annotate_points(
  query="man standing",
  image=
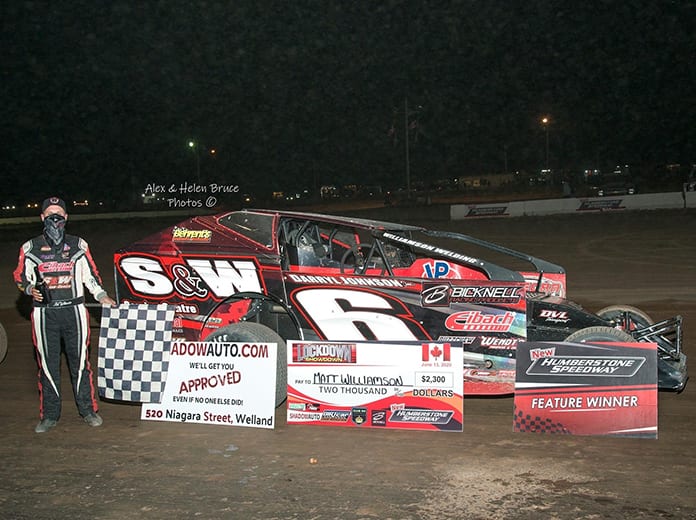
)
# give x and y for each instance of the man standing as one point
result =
(53, 269)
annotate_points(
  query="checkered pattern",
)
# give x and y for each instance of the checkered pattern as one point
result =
(525, 422)
(134, 352)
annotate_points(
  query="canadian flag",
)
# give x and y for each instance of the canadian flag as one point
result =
(434, 351)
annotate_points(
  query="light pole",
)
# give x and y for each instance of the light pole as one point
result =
(408, 124)
(505, 157)
(194, 146)
(408, 159)
(545, 121)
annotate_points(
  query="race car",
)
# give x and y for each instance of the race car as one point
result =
(272, 276)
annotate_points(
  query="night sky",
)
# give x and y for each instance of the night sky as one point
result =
(101, 98)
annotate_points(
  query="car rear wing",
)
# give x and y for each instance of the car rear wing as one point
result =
(542, 266)
(492, 270)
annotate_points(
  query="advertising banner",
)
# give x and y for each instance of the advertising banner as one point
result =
(407, 385)
(586, 389)
(231, 384)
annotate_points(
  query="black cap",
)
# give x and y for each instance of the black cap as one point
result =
(53, 201)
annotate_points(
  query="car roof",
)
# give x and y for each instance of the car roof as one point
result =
(334, 219)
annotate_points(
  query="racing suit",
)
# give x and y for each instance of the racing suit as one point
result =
(66, 268)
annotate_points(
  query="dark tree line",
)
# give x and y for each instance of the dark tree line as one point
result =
(104, 97)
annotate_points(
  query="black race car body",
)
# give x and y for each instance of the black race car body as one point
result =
(263, 275)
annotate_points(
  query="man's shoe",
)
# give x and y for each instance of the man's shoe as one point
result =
(45, 425)
(93, 419)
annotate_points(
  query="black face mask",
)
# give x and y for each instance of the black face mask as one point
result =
(54, 229)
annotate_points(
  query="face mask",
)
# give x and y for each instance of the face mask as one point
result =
(54, 229)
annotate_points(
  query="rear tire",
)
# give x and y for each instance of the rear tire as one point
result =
(250, 332)
(592, 334)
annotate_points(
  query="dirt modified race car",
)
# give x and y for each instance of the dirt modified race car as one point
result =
(272, 276)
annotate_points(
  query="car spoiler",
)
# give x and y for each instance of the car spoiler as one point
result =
(493, 271)
(539, 264)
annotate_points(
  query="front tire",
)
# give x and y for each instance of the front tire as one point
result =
(250, 332)
(637, 319)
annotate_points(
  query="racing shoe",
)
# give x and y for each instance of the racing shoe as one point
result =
(93, 419)
(45, 425)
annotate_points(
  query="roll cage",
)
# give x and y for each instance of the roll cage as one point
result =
(371, 248)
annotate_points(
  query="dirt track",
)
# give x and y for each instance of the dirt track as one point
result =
(159, 470)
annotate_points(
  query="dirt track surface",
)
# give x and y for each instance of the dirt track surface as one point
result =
(155, 470)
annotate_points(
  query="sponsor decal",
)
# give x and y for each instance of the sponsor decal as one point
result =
(599, 205)
(547, 285)
(495, 342)
(553, 316)
(186, 308)
(219, 349)
(304, 416)
(411, 415)
(478, 374)
(487, 211)
(435, 295)
(436, 269)
(59, 282)
(56, 267)
(487, 294)
(358, 415)
(335, 415)
(197, 278)
(615, 366)
(378, 417)
(324, 353)
(182, 234)
(477, 321)
(443, 295)
(464, 340)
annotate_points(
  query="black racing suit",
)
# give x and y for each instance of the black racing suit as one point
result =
(67, 269)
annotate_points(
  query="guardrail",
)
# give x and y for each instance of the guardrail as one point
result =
(648, 201)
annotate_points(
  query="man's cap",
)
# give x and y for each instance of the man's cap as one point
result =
(53, 201)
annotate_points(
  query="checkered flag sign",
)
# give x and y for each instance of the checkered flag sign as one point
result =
(134, 352)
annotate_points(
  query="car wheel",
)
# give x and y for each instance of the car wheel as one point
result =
(255, 332)
(591, 334)
(3, 343)
(637, 319)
